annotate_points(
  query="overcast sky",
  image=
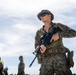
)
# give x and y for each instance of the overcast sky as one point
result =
(18, 26)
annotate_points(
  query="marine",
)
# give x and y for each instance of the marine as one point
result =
(21, 66)
(53, 58)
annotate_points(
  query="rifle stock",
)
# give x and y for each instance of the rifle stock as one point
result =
(37, 51)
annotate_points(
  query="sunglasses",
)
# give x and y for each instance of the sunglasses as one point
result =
(42, 14)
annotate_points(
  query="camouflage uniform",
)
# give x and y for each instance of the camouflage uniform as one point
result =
(54, 59)
(21, 67)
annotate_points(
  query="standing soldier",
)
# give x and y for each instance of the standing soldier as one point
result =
(21, 66)
(53, 57)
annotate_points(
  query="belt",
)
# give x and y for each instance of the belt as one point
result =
(57, 50)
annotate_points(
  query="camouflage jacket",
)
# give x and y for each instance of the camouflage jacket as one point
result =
(56, 46)
(65, 32)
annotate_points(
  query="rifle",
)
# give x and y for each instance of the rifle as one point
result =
(45, 40)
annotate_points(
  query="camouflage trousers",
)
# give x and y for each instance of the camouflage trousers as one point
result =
(54, 64)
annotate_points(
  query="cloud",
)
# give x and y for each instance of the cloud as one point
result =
(2, 46)
(23, 7)
(70, 43)
(26, 27)
(19, 41)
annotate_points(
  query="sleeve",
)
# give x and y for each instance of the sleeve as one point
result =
(37, 39)
(66, 31)
(38, 42)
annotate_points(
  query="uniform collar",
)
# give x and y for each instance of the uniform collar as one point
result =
(53, 25)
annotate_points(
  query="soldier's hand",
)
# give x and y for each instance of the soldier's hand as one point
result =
(42, 49)
(55, 37)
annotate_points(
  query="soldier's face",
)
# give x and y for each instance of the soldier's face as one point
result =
(45, 18)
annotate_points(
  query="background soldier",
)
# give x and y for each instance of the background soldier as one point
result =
(1, 67)
(6, 70)
(53, 58)
(21, 66)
